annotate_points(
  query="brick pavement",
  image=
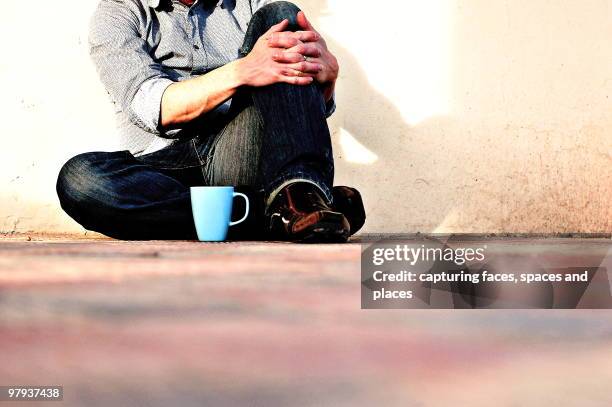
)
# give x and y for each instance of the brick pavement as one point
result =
(271, 324)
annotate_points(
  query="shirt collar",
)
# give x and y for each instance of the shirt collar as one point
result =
(156, 3)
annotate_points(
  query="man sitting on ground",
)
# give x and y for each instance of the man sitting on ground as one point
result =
(212, 92)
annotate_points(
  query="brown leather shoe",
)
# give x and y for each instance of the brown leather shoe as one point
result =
(299, 213)
(348, 201)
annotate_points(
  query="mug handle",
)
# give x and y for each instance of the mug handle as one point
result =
(247, 208)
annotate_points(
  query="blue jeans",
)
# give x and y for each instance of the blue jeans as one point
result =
(273, 135)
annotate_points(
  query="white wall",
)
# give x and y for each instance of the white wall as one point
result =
(454, 115)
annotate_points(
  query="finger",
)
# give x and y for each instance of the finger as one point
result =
(308, 49)
(315, 61)
(307, 36)
(306, 67)
(282, 40)
(296, 80)
(277, 27)
(287, 71)
(303, 22)
(287, 57)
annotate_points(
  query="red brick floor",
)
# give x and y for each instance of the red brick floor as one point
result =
(269, 324)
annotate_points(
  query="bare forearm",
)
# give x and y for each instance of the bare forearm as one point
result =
(185, 101)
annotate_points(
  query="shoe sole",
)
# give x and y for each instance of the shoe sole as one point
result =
(361, 215)
(354, 209)
(330, 229)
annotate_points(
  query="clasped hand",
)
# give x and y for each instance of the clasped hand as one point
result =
(298, 58)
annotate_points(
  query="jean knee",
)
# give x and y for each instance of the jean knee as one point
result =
(264, 18)
(275, 12)
(75, 182)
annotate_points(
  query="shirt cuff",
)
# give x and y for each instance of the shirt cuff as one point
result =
(146, 105)
(330, 106)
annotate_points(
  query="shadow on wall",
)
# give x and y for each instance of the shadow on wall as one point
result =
(386, 152)
(393, 162)
(445, 129)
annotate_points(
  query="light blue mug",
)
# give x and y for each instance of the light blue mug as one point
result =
(212, 211)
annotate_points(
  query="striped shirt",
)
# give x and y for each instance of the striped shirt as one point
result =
(140, 47)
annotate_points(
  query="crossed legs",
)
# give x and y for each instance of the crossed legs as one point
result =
(276, 135)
